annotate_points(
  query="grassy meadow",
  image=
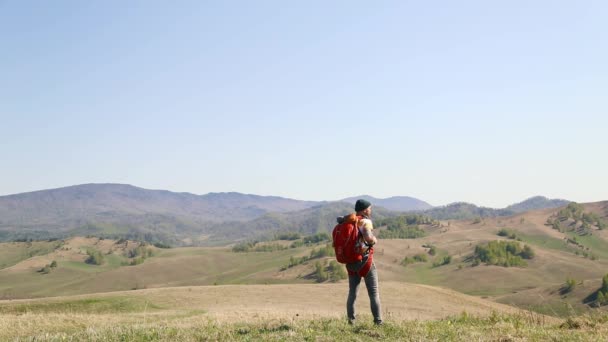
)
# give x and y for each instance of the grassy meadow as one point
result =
(262, 312)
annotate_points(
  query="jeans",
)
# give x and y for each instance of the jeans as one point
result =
(371, 283)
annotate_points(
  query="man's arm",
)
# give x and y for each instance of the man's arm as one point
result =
(369, 237)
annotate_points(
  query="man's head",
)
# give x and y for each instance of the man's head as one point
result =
(363, 207)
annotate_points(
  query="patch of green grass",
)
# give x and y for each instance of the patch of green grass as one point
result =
(183, 251)
(489, 291)
(558, 309)
(547, 242)
(114, 261)
(11, 253)
(81, 266)
(424, 273)
(598, 246)
(111, 261)
(88, 306)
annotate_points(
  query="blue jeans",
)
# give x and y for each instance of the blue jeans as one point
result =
(371, 283)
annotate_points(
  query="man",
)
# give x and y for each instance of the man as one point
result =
(366, 268)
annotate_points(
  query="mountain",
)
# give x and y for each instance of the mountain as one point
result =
(464, 211)
(537, 202)
(126, 211)
(320, 218)
(467, 211)
(396, 203)
(119, 208)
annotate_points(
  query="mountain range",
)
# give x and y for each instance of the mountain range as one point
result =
(121, 210)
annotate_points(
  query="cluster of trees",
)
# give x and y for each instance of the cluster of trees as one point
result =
(140, 251)
(254, 246)
(162, 245)
(311, 239)
(138, 255)
(555, 224)
(509, 234)
(322, 252)
(333, 272)
(402, 233)
(48, 267)
(442, 261)
(602, 293)
(404, 226)
(502, 253)
(289, 236)
(268, 247)
(465, 211)
(95, 257)
(416, 258)
(575, 212)
(405, 221)
(26, 235)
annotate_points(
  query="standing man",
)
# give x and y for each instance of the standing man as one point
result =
(365, 268)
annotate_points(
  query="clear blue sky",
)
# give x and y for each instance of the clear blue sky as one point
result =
(488, 102)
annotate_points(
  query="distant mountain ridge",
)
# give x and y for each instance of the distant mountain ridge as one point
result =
(121, 210)
(536, 202)
(100, 198)
(395, 203)
(464, 211)
(125, 209)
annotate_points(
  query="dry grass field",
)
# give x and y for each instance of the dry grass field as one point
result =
(300, 312)
(267, 311)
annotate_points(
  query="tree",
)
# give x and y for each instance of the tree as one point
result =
(45, 270)
(421, 258)
(503, 253)
(443, 261)
(568, 286)
(95, 257)
(527, 253)
(601, 299)
(320, 272)
(337, 271)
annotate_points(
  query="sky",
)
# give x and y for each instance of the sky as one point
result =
(488, 102)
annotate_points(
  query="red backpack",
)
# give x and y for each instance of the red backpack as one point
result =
(345, 236)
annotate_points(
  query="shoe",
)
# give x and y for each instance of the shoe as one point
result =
(379, 322)
(351, 321)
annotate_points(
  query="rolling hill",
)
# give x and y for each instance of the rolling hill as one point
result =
(535, 203)
(321, 218)
(466, 211)
(558, 254)
(396, 203)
